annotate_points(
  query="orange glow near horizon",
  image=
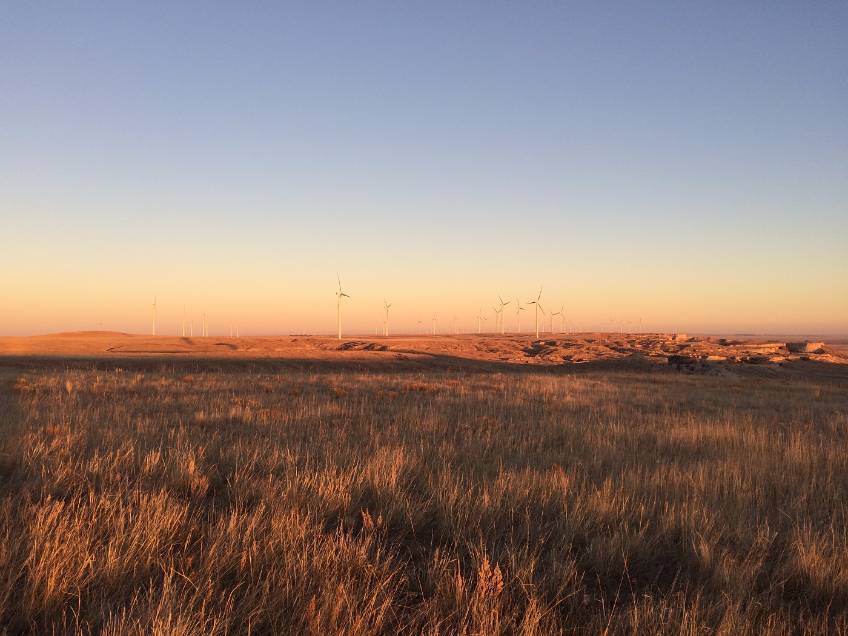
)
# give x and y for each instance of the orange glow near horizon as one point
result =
(260, 306)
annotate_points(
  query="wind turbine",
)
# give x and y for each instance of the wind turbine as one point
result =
(561, 314)
(538, 307)
(518, 310)
(503, 304)
(339, 295)
(184, 319)
(386, 321)
(434, 324)
(154, 315)
(479, 320)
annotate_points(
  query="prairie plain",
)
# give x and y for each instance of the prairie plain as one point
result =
(447, 485)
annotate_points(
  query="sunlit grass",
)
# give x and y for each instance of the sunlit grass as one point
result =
(439, 502)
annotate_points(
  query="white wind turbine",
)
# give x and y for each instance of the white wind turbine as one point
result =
(339, 295)
(184, 319)
(538, 307)
(434, 324)
(518, 310)
(386, 305)
(479, 320)
(501, 314)
(154, 315)
(561, 314)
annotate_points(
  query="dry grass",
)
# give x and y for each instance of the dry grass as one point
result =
(255, 499)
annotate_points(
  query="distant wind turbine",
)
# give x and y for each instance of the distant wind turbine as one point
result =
(518, 310)
(561, 314)
(339, 295)
(434, 324)
(500, 313)
(154, 315)
(184, 319)
(386, 305)
(538, 307)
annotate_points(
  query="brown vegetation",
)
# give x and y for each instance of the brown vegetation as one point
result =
(172, 497)
(610, 350)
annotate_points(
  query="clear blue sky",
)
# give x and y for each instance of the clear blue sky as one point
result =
(681, 163)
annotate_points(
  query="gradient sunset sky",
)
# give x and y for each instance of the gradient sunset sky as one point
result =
(679, 165)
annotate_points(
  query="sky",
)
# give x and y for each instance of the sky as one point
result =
(677, 166)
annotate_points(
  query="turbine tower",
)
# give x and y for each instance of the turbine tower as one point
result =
(339, 295)
(154, 315)
(386, 305)
(184, 319)
(434, 324)
(518, 310)
(500, 313)
(538, 307)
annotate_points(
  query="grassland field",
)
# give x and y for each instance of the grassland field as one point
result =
(411, 491)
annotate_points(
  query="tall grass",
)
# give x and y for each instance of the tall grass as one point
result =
(261, 500)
